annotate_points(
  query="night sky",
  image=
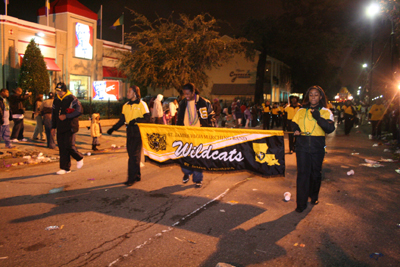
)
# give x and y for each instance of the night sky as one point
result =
(231, 13)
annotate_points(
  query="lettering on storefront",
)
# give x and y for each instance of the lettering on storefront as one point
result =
(239, 75)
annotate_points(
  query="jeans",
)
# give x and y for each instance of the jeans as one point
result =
(197, 175)
(5, 135)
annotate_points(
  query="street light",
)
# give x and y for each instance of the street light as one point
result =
(373, 10)
(365, 65)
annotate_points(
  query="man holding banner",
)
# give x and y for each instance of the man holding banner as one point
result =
(197, 112)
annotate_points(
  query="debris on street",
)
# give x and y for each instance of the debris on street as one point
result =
(56, 190)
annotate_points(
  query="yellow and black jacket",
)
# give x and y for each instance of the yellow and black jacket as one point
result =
(313, 127)
(133, 112)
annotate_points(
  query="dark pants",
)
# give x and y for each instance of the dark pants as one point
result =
(66, 144)
(275, 119)
(376, 128)
(134, 148)
(290, 135)
(18, 129)
(348, 123)
(284, 123)
(47, 129)
(266, 120)
(309, 167)
(197, 174)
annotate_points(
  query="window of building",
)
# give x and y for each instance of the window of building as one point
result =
(79, 86)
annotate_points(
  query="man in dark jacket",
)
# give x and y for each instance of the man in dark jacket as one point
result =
(18, 110)
(5, 117)
(66, 110)
(198, 112)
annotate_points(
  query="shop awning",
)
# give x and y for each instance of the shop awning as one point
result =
(51, 64)
(112, 72)
(233, 89)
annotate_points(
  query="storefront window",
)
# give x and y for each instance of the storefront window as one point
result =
(79, 86)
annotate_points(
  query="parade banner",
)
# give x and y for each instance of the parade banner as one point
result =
(215, 149)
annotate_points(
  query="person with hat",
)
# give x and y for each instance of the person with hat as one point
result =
(66, 111)
(46, 110)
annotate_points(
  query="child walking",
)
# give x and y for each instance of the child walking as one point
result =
(95, 130)
(310, 125)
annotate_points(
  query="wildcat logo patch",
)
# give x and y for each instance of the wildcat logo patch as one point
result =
(157, 141)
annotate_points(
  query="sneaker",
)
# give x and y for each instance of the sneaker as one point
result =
(185, 179)
(62, 172)
(14, 140)
(198, 184)
(23, 140)
(129, 183)
(10, 147)
(79, 164)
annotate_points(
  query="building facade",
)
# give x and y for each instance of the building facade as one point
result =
(237, 78)
(68, 41)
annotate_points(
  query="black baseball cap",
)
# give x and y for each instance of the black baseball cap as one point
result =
(61, 87)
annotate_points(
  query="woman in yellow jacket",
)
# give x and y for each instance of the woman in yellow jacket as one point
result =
(310, 124)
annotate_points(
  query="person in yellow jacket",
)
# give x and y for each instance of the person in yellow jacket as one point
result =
(266, 109)
(291, 111)
(95, 130)
(134, 111)
(275, 115)
(375, 115)
(349, 117)
(310, 124)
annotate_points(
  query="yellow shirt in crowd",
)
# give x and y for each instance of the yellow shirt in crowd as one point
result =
(291, 111)
(348, 110)
(266, 109)
(377, 112)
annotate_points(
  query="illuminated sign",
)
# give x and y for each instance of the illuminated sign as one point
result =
(105, 90)
(83, 41)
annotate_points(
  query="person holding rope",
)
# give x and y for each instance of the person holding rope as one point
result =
(310, 125)
(134, 111)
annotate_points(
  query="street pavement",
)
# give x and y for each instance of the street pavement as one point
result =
(237, 218)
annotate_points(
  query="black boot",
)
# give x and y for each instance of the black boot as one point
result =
(94, 148)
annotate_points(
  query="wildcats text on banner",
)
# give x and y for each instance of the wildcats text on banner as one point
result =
(215, 149)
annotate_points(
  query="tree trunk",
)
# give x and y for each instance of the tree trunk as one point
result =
(259, 90)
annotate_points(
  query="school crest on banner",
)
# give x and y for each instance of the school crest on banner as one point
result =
(215, 149)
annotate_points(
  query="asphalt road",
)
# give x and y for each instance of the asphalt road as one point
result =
(236, 218)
